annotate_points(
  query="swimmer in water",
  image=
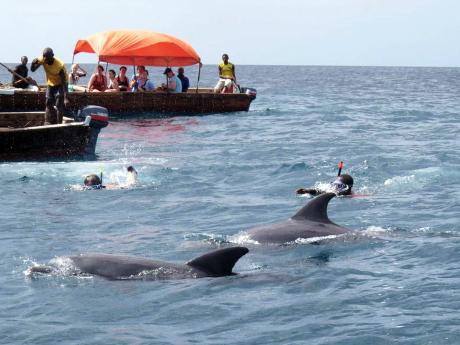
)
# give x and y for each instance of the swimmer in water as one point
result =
(131, 176)
(341, 186)
(94, 181)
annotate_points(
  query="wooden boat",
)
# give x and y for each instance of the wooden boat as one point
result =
(205, 101)
(23, 136)
(137, 47)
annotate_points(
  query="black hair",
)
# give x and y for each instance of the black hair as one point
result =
(92, 180)
(113, 71)
(347, 179)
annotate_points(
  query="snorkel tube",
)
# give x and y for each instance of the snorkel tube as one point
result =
(340, 168)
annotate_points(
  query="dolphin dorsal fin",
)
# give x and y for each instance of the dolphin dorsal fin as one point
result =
(219, 262)
(315, 210)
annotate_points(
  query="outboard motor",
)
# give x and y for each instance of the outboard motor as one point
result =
(97, 118)
(251, 92)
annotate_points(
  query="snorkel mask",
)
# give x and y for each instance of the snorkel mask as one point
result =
(339, 187)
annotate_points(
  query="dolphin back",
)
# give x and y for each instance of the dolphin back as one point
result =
(316, 210)
(220, 262)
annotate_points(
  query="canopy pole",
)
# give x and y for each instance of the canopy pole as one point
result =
(106, 71)
(167, 87)
(199, 73)
(73, 57)
(134, 87)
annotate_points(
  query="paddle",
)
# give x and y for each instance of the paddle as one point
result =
(16, 74)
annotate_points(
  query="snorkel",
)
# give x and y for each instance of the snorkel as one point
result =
(340, 168)
(343, 183)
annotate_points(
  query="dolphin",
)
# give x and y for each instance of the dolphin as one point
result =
(310, 221)
(214, 264)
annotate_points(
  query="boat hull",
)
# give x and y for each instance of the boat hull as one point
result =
(24, 137)
(135, 102)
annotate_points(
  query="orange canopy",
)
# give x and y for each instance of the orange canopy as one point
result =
(137, 47)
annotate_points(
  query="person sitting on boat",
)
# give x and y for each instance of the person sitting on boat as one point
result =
(227, 76)
(173, 83)
(94, 181)
(21, 70)
(141, 82)
(184, 80)
(76, 72)
(341, 186)
(113, 83)
(98, 81)
(57, 88)
(122, 79)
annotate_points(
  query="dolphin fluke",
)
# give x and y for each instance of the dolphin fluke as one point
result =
(219, 262)
(316, 210)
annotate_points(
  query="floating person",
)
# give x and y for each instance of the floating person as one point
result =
(57, 85)
(227, 77)
(341, 186)
(94, 181)
(131, 176)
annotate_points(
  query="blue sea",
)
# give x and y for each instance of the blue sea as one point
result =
(204, 180)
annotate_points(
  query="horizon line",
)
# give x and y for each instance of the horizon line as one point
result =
(287, 65)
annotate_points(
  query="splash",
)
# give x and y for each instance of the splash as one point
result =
(241, 238)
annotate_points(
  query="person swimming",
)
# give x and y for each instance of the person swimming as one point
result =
(94, 181)
(131, 176)
(342, 185)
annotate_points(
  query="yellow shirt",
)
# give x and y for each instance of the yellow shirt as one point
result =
(52, 71)
(226, 70)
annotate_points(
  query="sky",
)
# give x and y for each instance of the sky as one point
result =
(252, 32)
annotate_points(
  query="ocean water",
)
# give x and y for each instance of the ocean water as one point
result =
(203, 180)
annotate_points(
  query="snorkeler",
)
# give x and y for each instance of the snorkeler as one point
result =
(341, 186)
(94, 181)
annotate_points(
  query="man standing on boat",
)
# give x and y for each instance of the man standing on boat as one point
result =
(57, 80)
(227, 75)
